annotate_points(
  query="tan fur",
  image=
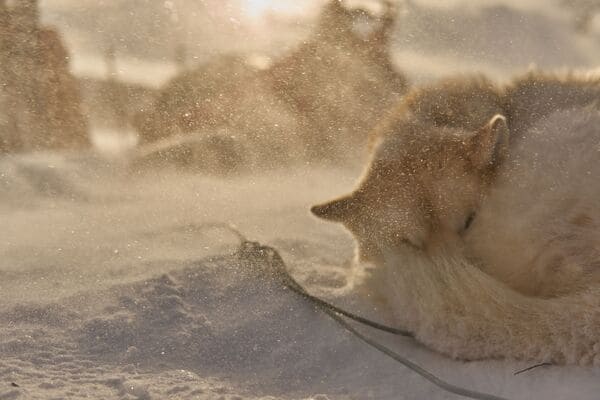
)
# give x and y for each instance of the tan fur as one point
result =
(440, 158)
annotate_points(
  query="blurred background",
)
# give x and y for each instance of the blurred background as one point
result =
(226, 85)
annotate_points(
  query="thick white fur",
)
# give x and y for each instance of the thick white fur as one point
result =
(544, 208)
(539, 227)
(459, 310)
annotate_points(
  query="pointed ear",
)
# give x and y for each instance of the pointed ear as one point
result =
(489, 146)
(337, 210)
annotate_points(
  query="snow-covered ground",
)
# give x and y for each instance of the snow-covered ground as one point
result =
(116, 284)
(119, 286)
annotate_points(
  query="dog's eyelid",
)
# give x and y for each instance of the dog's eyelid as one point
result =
(411, 243)
(469, 221)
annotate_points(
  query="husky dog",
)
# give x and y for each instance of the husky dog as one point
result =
(480, 204)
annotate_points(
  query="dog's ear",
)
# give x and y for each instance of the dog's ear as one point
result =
(489, 145)
(337, 210)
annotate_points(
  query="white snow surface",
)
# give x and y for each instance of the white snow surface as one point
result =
(115, 286)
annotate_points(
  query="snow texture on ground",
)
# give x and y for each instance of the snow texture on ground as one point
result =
(119, 286)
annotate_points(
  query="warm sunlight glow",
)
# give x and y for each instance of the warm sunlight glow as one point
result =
(259, 8)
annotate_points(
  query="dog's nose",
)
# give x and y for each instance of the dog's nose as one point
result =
(319, 210)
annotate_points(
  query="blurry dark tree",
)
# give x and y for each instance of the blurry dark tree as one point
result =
(40, 104)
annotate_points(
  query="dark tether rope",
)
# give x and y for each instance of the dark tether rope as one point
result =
(254, 249)
(251, 250)
(294, 286)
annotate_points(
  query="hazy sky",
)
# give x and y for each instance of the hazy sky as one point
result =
(488, 34)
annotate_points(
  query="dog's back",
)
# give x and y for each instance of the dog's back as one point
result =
(537, 230)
